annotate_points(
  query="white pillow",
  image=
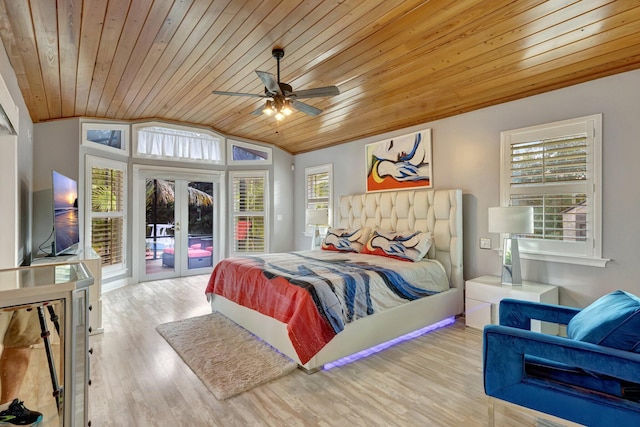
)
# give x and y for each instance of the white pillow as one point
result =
(403, 245)
(345, 239)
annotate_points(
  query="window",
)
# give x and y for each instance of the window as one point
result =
(318, 194)
(178, 143)
(107, 206)
(106, 136)
(243, 153)
(250, 206)
(556, 169)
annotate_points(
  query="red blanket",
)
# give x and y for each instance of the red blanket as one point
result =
(242, 281)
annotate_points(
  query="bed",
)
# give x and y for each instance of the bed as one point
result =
(438, 212)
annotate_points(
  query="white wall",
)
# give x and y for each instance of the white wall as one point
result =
(281, 239)
(466, 155)
(16, 183)
(56, 147)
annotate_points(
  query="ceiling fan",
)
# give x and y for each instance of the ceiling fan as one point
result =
(281, 97)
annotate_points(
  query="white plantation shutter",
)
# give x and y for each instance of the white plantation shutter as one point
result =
(559, 160)
(108, 200)
(250, 203)
(561, 209)
(318, 189)
(555, 168)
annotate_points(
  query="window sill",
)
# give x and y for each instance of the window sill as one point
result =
(563, 258)
(113, 272)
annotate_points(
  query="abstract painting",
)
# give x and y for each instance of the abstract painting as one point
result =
(400, 163)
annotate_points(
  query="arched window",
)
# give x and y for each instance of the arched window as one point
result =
(178, 143)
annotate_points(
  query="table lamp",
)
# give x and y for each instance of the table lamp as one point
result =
(512, 220)
(316, 218)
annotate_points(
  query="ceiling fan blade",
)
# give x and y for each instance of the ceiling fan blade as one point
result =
(219, 92)
(258, 111)
(305, 108)
(270, 82)
(316, 93)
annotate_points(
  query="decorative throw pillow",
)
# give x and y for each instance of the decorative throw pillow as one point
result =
(345, 239)
(404, 245)
(611, 321)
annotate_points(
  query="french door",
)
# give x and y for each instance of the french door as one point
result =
(178, 230)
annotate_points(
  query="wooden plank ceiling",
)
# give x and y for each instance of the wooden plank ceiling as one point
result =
(396, 63)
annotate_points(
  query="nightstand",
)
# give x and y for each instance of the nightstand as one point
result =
(483, 295)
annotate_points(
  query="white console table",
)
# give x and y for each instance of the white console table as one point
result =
(93, 262)
(58, 292)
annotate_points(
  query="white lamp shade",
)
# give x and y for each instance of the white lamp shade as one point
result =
(511, 219)
(317, 216)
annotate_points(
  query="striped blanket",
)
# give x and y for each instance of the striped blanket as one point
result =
(317, 293)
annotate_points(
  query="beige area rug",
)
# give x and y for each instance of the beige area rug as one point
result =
(226, 357)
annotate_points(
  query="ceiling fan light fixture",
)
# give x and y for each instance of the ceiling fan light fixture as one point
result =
(286, 108)
(268, 108)
(279, 116)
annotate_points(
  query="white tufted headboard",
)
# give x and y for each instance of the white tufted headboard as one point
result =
(437, 211)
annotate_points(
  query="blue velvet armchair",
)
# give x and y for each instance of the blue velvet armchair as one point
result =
(570, 378)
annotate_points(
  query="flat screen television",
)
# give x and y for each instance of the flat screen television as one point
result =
(66, 229)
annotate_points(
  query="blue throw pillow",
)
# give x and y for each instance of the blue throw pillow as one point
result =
(611, 321)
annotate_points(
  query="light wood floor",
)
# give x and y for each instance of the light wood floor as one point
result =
(138, 380)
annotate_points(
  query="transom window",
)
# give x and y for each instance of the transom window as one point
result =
(243, 153)
(106, 136)
(177, 143)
